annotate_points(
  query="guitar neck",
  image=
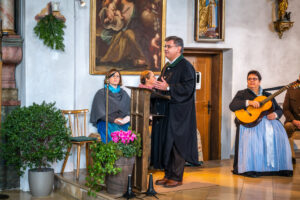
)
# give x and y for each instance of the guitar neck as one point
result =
(273, 95)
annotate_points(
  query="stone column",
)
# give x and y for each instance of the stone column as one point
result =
(7, 14)
(11, 57)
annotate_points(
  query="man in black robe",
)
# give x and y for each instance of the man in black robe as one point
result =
(177, 79)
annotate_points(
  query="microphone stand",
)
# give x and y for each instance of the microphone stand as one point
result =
(106, 110)
(106, 106)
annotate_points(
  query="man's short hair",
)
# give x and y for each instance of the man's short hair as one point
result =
(256, 73)
(177, 41)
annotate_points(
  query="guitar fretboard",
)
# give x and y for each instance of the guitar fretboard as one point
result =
(274, 95)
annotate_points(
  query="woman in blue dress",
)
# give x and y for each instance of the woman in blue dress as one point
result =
(118, 106)
(263, 149)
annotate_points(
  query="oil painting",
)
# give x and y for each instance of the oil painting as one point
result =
(127, 35)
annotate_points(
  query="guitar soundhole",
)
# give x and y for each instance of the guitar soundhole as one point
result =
(248, 113)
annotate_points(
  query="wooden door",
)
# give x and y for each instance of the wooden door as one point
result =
(203, 65)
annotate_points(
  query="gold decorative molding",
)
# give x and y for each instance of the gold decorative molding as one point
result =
(9, 31)
(283, 22)
(281, 26)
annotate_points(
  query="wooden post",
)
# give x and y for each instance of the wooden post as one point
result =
(139, 119)
(139, 115)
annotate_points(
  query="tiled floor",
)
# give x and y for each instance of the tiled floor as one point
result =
(17, 195)
(228, 186)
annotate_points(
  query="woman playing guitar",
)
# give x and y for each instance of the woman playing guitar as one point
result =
(262, 149)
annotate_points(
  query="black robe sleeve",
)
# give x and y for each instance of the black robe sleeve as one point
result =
(184, 89)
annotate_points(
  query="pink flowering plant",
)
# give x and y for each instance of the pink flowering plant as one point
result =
(124, 143)
(128, 143)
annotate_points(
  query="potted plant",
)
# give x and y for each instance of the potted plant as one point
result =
(35, 136)
(113, 162)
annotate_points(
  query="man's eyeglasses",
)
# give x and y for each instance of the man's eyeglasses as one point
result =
(169, 46)
(252, 79)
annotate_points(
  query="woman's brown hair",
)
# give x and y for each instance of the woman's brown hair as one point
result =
(145, 75)
(112, 71)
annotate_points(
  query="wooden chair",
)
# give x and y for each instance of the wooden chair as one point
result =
(76, 120)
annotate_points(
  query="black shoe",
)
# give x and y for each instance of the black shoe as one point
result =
(251, 174)
(286, 173)
(294, 161)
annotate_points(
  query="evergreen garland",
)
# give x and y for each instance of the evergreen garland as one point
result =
(50, 30)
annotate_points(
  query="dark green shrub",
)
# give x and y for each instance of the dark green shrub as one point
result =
(34, 136)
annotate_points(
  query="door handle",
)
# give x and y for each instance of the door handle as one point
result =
(209, 107)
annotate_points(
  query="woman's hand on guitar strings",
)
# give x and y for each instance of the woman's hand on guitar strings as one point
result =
(254, 104)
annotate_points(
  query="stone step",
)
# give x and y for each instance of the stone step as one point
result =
(69, 186)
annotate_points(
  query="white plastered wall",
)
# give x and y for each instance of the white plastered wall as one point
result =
(250, 43)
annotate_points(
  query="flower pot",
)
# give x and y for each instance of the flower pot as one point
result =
(117, 184)
(41, 181)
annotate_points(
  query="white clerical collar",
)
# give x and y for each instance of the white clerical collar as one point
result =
(171, 62)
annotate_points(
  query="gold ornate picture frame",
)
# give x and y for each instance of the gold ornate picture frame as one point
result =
(127, 35)
(209, 20)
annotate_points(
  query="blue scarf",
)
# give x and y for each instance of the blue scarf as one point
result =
(260, 92)
(112, 89)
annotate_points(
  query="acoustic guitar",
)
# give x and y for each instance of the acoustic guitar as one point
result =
(252, 116)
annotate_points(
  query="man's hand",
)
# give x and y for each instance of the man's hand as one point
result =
(272, 116)
(161, 85)
(296, 123)
(255, 104)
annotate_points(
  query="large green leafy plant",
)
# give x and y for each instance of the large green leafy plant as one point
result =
(50, 30)
(34, 136)
(124, 143)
